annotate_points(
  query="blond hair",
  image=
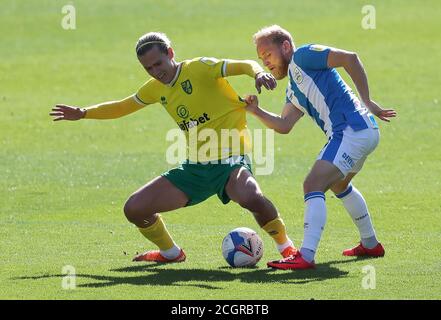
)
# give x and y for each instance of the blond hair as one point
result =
(274, 33)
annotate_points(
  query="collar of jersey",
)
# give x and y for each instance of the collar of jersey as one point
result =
(178, 72)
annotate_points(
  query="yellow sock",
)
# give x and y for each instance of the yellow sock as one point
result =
(158, 234)
(276, 229)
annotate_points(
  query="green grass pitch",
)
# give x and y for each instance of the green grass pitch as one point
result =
(63, 185)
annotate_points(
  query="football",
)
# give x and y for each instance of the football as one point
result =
(242, 247)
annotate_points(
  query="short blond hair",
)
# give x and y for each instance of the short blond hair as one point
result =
(274, 33)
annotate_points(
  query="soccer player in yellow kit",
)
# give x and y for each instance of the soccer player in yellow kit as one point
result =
(197, 96)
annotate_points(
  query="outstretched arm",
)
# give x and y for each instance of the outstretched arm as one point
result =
(254, 70)
(353, 66)
(281, 124)
(106, 110)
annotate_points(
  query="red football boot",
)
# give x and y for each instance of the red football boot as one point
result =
(294, 262)
(360, 251)
(155, 256)
(289, 251)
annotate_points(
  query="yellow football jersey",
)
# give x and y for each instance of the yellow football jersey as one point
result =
(205, 107)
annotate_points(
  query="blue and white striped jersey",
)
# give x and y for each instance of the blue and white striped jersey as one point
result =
(321, 93)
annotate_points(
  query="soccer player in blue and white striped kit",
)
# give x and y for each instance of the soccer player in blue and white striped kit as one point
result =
(315, 88)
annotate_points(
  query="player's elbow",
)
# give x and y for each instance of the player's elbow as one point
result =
(351, 58)
(285, 126)
(284, 129)
(349, 61)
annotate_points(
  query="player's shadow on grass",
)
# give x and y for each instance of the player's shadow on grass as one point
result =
(203, 278)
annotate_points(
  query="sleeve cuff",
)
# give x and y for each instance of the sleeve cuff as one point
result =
(138, 100)
(224, 69)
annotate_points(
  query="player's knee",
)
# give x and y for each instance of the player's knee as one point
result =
(129, 210)
(308, 185)
(311, 184)
(134, 210)
(339, 188)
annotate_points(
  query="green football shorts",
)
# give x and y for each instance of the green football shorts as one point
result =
(200, 181)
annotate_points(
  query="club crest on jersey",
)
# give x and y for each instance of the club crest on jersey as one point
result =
(298, 77)
(182, 111)
(187, 87)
